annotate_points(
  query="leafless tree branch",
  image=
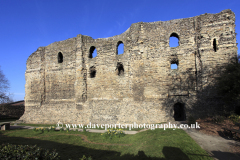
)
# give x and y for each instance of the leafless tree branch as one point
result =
(4, 86)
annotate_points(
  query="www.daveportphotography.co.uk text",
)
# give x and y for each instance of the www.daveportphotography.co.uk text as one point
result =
(130, 126)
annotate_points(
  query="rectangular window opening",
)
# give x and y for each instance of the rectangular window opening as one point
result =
(174, 66)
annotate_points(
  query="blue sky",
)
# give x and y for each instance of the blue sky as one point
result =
(26, 25)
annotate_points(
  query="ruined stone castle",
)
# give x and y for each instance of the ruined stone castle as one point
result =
(64, 82)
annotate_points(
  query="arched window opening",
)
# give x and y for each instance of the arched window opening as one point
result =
(92, 52)
(174, 64)
(120, 48)
(174, 40)
(92, 72)
(179, 112)
(60, 57)
(120, 69)
(214, 45)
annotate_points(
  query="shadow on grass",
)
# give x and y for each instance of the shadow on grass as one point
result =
(225, 155)
(70, 151)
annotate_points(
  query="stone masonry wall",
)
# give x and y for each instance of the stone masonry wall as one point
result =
(64, 83)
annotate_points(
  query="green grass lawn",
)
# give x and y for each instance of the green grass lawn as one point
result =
(37, 125)
(151, 144)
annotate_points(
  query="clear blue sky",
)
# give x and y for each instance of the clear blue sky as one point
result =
(26, 25)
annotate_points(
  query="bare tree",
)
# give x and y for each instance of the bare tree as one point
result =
(4, 86)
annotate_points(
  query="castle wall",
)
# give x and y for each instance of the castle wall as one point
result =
(147, 90)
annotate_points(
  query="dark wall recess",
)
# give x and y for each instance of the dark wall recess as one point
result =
(120, 69)
(92, 72)
(214, 45)
(60, 57)
(179, 112)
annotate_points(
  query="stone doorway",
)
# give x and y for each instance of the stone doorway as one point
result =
(179, 112)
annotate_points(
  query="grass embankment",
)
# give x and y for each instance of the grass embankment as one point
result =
(37, 125)
(157, 144)
(9, 120)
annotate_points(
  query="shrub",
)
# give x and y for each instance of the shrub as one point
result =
(218, 119)
(237, 110)
(191, 120)
(52, 129)
(234, 118)
(113, 133)
(39, 130)
(26, 152)
(61, 129)
(85, 158)
(34, 129)
(47, 129)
